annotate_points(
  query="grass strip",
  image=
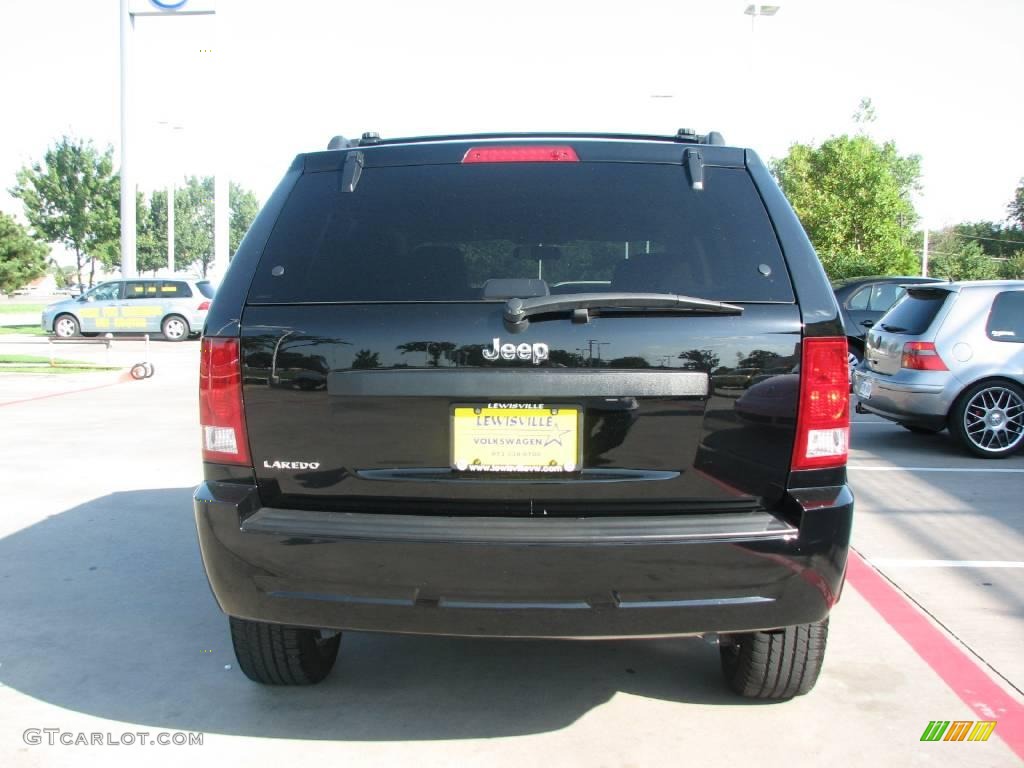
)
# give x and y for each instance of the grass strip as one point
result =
(22, 330)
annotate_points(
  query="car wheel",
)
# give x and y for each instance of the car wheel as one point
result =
(274, 654)
(775, 665)
(988, 419)
(66, 327)
(175, 328)
(917, 429)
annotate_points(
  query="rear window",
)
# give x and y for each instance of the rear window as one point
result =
(1006, 320)
(914, 313)
(436, 233)
(206, 288)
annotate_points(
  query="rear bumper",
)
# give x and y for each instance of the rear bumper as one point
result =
(531, 577)
(908, 402)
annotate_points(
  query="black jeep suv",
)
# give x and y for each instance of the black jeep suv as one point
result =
(466, 385)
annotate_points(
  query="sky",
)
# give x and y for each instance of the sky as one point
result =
(246, 90)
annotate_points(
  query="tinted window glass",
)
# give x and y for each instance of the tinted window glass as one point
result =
(914, 313)
(440, 232)
(174, 290)
(884, 296)
(1006, 321)
(205, 288)
(140, 289)
(859, 300)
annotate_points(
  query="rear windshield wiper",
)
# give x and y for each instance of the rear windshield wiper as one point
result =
(893, 328)
(518, 310)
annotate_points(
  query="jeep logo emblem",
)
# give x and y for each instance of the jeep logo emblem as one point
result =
(537, 352)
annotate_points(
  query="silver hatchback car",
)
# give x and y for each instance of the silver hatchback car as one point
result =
(175, 307)
(951, 355)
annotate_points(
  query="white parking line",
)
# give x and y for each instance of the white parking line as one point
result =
(935, 469)
(897, 563)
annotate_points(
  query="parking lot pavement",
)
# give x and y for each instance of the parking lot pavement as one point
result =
(109, 627)
(172, 360)
(948, 529)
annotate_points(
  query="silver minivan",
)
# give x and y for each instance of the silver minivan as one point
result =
(951, 355)
(175, 307)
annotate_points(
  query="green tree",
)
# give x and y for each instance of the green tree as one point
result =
(955, 258)
(244, 207)
(72, 198)
(22, 257)
(151, 232)
(1013, 268)
(852, 196)
(1015, 210)
(997, 240)
(194, 217)
(193, 224)
(64, 276)
(147, 248)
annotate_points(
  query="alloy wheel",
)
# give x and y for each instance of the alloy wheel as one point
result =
(65, 328)
(994, 419)
(174, 329)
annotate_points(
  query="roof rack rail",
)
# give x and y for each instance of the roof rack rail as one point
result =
(686, 135)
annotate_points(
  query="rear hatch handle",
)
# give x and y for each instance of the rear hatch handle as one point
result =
(517, 311)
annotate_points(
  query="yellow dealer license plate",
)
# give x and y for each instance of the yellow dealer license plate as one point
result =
(515, 438)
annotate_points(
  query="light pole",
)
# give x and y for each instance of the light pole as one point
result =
(173, 131)
(129, 10)
(753, 11)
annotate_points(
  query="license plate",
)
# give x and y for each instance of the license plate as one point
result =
(864, 388)
(515, 439)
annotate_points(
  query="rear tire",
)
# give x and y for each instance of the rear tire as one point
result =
(988, 419)
(275, 654)
(775, 665)
(175, 328)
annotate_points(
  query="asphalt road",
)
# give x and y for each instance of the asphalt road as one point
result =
(107, 625)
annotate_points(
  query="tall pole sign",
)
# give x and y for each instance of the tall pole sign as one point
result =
(130, 10)
(127, 180)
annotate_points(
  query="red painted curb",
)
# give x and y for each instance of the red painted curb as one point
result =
(958, 670)
(125, 376)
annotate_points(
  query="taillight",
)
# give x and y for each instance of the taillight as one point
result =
(823, 413)
(922, 356)
(220, 402)
(527, 154)
(204, 306)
